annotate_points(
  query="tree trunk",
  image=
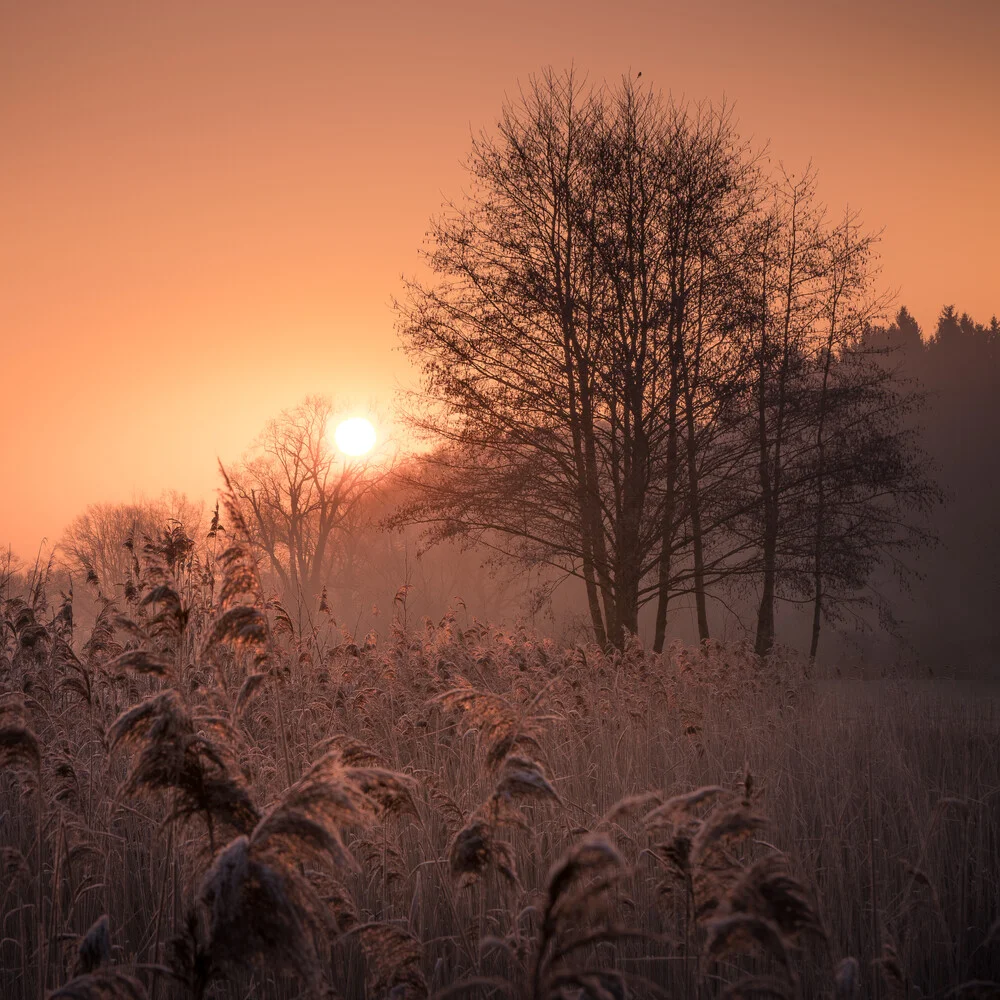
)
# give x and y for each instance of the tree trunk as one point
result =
(667, 526)
(692, 375)
(593, 604)
(765, 613)
(817, 613)
(697, 542)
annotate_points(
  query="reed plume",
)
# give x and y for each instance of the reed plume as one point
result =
(769, 889)
(176, 755)
(393, 962)
(258, 903)
(94, 949)
(18, 742)
(106, 984)
(575, 918)
(845, 979)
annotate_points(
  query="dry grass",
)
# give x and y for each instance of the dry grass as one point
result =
(197, 801)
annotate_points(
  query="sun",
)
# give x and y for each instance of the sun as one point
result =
(355, 436)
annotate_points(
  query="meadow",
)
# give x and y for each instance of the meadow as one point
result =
(201, 798)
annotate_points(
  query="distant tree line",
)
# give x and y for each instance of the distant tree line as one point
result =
(315, 521)
(947, 610)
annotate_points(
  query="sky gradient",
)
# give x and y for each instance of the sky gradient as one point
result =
(206, 207)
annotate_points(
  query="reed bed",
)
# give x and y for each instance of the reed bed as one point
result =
(198, 799)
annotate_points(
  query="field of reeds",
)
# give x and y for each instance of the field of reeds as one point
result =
(200, 799)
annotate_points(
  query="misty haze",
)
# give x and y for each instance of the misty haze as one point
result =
(500, 501)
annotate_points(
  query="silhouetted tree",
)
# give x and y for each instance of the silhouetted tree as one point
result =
(640, 366)
(558, 347)
(299, 499)
(866, 478)
(104, 541)
(784, 280)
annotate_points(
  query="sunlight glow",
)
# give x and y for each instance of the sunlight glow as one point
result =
(355, 437)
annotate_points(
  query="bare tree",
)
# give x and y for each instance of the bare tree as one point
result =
(784, 310)
(301, 500)
(639, 367)
(865, 484)
(839, 485)
(104, 540)
(553, 341)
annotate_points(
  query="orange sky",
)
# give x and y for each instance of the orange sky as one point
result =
(206, 206)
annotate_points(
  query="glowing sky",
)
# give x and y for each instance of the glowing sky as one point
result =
(206, 205)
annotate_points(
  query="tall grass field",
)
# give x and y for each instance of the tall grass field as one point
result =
(199, 798)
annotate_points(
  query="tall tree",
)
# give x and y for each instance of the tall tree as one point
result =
(633, 350)
(553, 339)
(783, 310)
(842, 484)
